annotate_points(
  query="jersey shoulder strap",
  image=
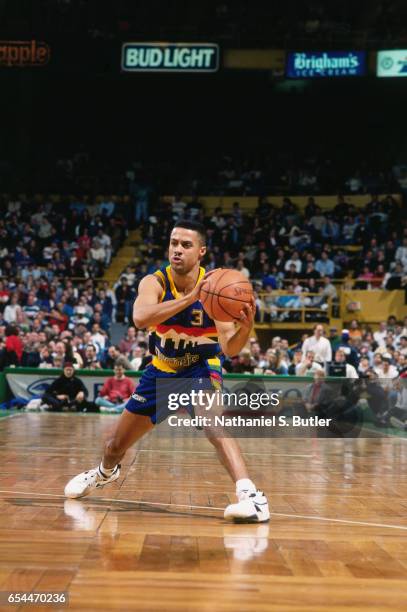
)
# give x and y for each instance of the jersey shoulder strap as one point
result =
(167, 282)
(162, 279)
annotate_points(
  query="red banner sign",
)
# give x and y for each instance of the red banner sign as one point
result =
(22, 54)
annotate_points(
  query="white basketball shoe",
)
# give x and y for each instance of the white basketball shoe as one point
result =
(84, 483)
(251, 508)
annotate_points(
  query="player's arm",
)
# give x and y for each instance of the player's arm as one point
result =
(232, 339)
(147, 309)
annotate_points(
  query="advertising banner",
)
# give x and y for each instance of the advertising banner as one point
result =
(392, 63)
(325, 64)
(170, 57)
(34, 383)
(23, 54)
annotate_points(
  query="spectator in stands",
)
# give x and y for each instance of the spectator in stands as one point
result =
(113, 355)
(380, 334)
(294, 263)
(325, 266)
(97, 257)
(330, 230)
(138, 356)
(318, 394)
(310, 272)
(142, 194)
(274, 364)
(82, 313)
(107, 207)
(378, 364)
(363, 367)
(46, 360)
(30, 357)
(178, 208)
(31, 309)
(13, 313)
(395, 278)
(388, 370)
(240, 266)
(297, 359)
(106, 243)
(90, 361)
(334, 338)
(320, 346)
(116, 391)
(354, 330)
(328, 289)
(244, 363)
(340, 359)
(401, 253)
(129, 342)
(350, 351)
(308, 365)
(67, 393)
(12, 349)
(125, 297)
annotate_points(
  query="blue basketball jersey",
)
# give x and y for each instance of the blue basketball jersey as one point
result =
(188, 337)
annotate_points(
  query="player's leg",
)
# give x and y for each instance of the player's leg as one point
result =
(230, 455)
(130, 428)
(252, 505)
(136, 420)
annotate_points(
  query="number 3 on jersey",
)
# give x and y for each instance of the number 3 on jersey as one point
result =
(197, 317)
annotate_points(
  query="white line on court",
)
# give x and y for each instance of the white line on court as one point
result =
(193, 452)
(192, 507)
(55, 449)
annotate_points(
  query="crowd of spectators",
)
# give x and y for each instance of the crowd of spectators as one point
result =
(48, 343)
(374, 364)
(51, 307)
(383, 352)
(58, 239)
(301, 251)
(48, 319)
(307, 175)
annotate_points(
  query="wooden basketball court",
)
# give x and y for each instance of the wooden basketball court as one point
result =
(156, 540)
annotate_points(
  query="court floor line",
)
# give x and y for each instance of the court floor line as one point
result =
(149, 450)
(194, 452)
(193, 507)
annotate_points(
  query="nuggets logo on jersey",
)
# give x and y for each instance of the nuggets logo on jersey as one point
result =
(185, 339)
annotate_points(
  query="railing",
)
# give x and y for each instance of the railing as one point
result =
(301, 312)
(318, 281)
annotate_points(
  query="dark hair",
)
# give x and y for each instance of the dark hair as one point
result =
(194, 226)
(11, 330)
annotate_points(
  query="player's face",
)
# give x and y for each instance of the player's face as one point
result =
(185, 250)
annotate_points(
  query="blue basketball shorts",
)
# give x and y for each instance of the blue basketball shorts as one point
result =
(150, 397)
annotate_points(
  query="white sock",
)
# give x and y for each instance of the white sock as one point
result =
(106, 472)
(244, 488)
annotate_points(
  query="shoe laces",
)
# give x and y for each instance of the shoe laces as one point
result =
(242, 495)
(93, 475)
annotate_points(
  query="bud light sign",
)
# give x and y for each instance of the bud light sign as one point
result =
(326, 64)
(170, 57)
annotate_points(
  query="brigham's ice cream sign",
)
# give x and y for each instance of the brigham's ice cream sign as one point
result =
(169, 57)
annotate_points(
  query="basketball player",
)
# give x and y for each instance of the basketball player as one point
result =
(186, 344)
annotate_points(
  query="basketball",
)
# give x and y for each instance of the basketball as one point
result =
(225, 294)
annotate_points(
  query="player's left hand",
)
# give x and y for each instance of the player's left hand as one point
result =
(247, 313)
(195, 294)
